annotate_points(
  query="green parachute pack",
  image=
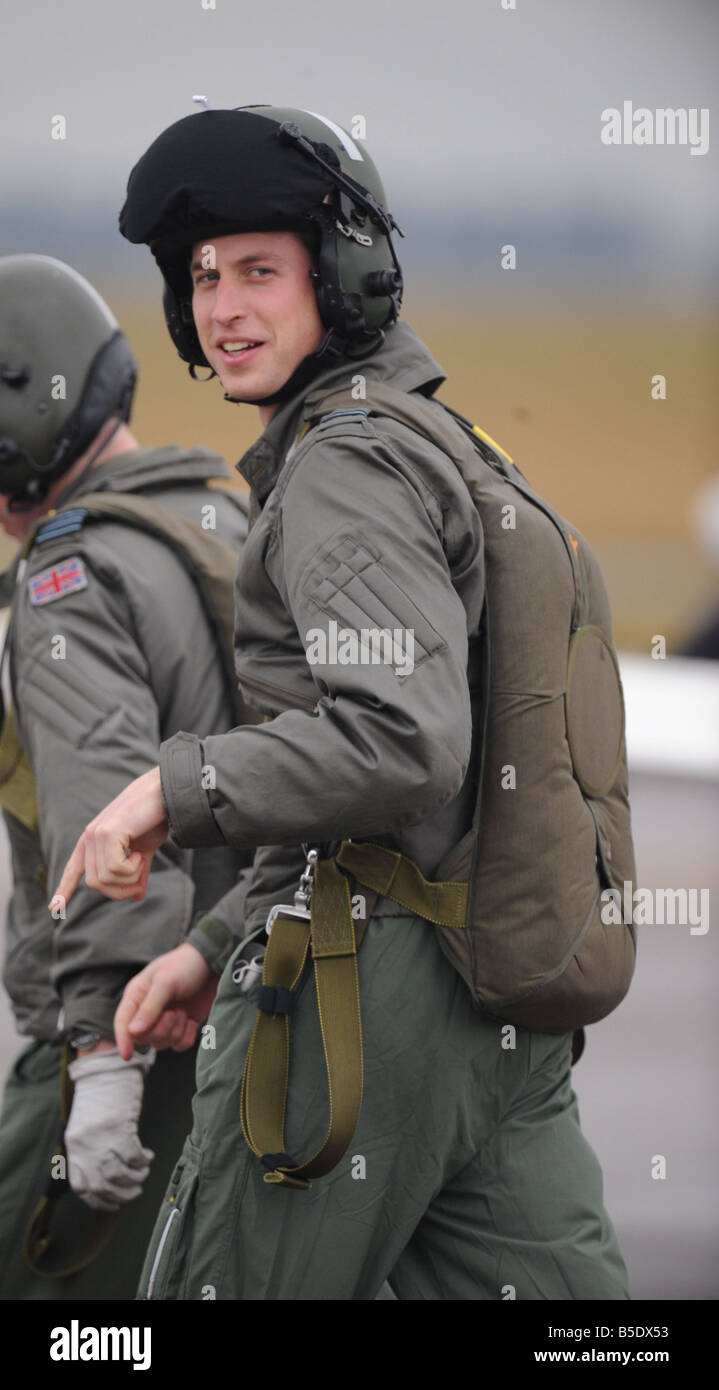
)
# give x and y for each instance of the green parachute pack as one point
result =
(517, 904)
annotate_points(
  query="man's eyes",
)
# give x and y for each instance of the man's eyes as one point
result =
(207, 276)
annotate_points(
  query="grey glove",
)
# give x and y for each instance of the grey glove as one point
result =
(106, 1162)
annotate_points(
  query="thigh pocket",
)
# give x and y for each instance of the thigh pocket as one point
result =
(168, 1252)
(549, 1052)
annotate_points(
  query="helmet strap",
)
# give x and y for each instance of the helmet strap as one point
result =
(22, 502)
(192, 369)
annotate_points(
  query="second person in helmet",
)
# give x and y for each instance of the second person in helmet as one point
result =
(111, 647)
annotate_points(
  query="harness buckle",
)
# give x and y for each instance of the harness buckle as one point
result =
(300, 910)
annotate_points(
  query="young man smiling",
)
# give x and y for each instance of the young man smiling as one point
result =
(256, 311)
(468, 1176)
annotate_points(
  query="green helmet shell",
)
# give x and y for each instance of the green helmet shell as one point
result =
(359, 264)
(65, 368)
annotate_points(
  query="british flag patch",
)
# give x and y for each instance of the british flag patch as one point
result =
(65, 578)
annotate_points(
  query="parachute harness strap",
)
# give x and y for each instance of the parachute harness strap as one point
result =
(329, 929)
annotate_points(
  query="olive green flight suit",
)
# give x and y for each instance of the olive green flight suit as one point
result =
(141, 662)
(468, 1176)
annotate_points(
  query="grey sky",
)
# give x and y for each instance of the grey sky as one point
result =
(468, 106)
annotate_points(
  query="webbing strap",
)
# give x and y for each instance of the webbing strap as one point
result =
(38, 1249)
(18, 792)
(266, 1073)
(210, 561)
(395, 876)
(334, 951)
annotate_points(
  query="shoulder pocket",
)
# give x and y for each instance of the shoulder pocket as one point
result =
(349, 582)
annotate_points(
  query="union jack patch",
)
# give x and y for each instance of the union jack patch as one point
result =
(57, 581)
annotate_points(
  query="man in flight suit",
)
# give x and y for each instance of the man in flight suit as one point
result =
(111, 649)
(468, 1176)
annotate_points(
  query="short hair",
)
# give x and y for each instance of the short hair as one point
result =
(310, 237)
(308, 234)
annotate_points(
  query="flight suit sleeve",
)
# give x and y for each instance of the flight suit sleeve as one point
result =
(218, 932)
(389, 743)
(89, 723)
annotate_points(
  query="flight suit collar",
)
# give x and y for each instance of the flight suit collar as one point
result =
(139, 468)
(129, 472)
(403, 359)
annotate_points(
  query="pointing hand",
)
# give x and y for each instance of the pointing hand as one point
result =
(115, 850)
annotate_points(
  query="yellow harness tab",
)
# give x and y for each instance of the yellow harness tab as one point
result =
(476, 429)
(302, 432)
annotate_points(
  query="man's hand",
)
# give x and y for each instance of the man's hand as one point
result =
(115, 850)
(147, 1014)
(106, 1163)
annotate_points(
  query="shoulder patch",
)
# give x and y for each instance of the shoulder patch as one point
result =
(63, 524)
(335, 415)
(64, 578)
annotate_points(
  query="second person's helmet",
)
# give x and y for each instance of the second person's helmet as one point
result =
(65, 369)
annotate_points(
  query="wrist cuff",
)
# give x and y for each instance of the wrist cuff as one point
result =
(110, 1062)
(192, 824)
(213, 940)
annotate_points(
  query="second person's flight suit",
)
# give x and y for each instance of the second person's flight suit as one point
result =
(100, 675)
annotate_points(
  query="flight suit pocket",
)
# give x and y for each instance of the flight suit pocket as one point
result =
(167, 1254)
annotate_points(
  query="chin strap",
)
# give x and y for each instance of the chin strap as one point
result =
(331, 350)
(23, 502)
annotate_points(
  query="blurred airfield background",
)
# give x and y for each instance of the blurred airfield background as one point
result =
(486, 125)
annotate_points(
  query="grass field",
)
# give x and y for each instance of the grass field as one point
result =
(567, 392)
